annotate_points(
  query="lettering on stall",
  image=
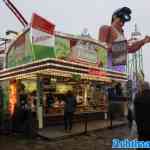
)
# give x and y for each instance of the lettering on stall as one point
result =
(97, 72)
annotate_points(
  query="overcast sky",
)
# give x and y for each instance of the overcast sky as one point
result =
(72, 16)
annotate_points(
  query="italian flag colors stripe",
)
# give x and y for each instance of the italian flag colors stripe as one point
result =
(43, 52)
(42, 24)
(42, 37)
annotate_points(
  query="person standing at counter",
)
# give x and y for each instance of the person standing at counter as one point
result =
(118, 88)
(49, 100)
(69, 109)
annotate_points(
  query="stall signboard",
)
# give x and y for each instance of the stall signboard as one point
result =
(43, 39)
(102, 56)
(119, 53)
(20, 51)
(97, 72)
(84, 52)
(62, 47)
(120, 68)
(35, 43)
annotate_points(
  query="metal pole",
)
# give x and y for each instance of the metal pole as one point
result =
(39, 104)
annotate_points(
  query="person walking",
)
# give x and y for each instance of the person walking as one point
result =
(130, 115)
(142, 110)
(69, 109)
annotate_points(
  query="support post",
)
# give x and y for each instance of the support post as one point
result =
(39, 105)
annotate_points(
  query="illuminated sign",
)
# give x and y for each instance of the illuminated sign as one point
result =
(12, 96)
(97, 72)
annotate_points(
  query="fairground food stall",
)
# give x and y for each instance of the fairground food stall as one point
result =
(47, 64)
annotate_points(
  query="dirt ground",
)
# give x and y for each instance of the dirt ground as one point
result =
(100, 140)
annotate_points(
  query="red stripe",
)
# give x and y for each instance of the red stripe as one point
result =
(42, 24)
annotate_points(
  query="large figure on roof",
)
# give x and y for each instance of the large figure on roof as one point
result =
(115, 32)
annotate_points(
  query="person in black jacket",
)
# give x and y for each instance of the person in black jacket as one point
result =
(69, 109)
(1, 105)
(142, 111)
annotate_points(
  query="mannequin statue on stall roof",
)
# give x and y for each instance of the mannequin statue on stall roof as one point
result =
(115, 32)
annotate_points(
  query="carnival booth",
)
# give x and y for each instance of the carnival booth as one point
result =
(45, 64)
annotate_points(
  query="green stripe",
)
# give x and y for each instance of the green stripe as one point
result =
(41, 52)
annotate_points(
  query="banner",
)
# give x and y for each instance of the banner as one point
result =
(84, 52)
(62, 47)
(119, 53)
(120, 68)
(102, 56)
(43, 38)
(20, 49)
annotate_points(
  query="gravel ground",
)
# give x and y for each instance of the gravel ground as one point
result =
(100, 140)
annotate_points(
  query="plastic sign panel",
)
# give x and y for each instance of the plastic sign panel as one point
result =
(43, 39)
(120, 68)
(97, 72)
(119, 53)
(84, 52)
(20, 49)
(62, 47)
(102, 56)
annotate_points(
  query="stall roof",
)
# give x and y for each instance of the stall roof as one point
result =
(57, 67)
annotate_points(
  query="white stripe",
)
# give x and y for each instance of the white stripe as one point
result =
(42, 38)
